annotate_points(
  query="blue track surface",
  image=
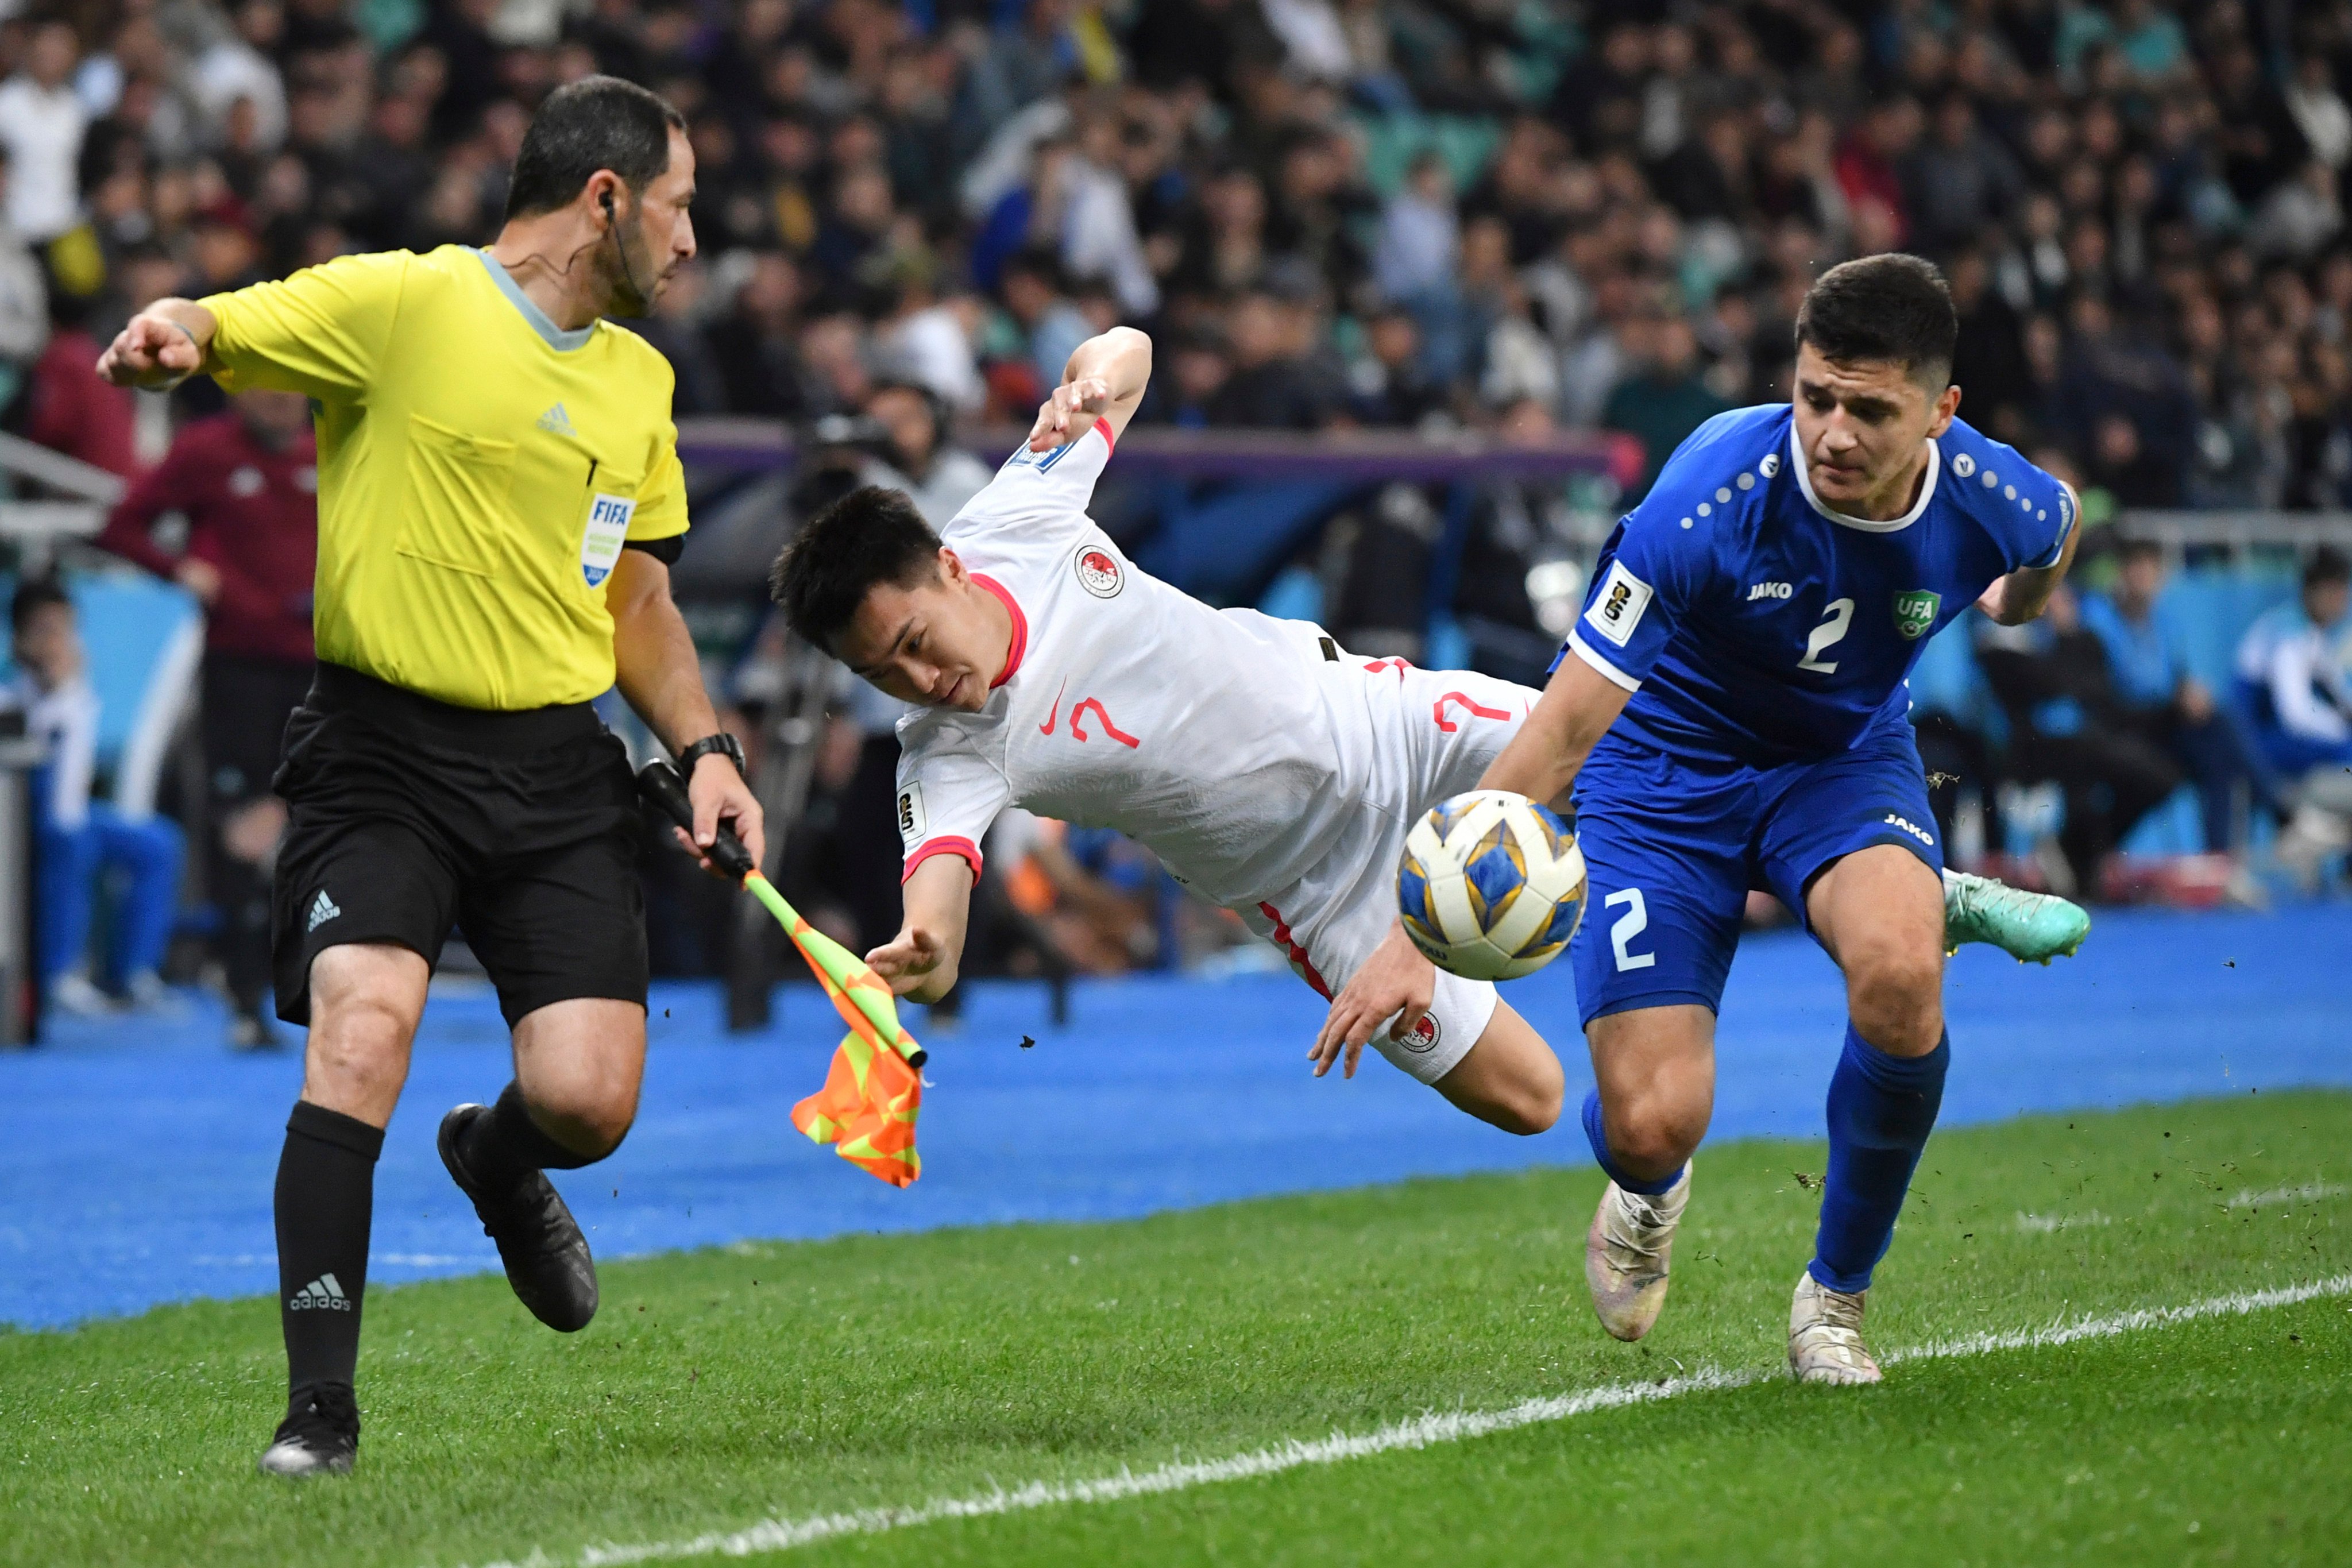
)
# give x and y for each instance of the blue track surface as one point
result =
(136, 1160)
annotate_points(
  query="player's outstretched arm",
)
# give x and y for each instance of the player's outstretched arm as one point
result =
(1104, 379)
(160, 346)
(1575, 710)
(920, 961)
(2019, 597)
(1397, 980)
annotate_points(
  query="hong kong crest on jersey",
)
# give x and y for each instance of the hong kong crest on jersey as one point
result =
(1915, 612)
(1099, 572)
(1422, 1036)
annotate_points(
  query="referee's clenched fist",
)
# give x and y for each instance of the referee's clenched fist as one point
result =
(499, 503)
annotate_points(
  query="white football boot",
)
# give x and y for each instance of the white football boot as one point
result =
(1626, 1252)
(1825, 1335)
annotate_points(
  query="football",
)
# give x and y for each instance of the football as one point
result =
(1491, 886)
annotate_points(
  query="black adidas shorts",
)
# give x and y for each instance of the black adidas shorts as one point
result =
(410, 817)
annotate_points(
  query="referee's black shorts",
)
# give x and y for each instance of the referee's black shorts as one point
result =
(409, 817)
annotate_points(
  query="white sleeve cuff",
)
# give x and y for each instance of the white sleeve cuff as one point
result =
(1614, 675)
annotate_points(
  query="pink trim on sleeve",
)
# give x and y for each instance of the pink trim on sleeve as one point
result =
(929, 848)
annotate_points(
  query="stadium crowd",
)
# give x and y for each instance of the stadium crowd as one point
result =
(1378, 211)
(1382, 213)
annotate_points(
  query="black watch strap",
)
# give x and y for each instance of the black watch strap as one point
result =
(722, 742)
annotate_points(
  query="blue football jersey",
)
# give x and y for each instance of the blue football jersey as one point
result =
(1756, 625)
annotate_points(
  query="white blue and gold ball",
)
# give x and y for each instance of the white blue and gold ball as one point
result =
(1491, 886)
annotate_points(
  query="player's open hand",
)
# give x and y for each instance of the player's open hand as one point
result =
(1396, 983)
(1070, 413)
(720, 795)
(906, 960)
(150, 352)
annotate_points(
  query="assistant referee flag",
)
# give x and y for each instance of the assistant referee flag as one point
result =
(479, 469)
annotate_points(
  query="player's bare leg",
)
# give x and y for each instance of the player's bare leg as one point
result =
(1880, 914)
(365, 1000)
(1656, 1071)
(1511, 1077)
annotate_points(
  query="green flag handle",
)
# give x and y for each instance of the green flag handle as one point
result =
(660, 783)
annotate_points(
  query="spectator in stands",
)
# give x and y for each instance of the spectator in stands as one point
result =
(1038, 300)
(67, 406)
(915, 456)
(756, 344)
(2293, 679)
(77, 840)
(1666, 399)
(1390, 382)
(41, 125)
(2158, 696)
(1095, 894)
(24, 301)
(2053, 679)
(247, 482)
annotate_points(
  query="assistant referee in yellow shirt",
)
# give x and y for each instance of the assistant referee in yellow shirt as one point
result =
(499, 502)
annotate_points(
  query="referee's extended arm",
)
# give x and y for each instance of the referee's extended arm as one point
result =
(163, 345)
(658, 673)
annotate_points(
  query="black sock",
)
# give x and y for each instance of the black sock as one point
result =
(326, 1197)
(504, 1145)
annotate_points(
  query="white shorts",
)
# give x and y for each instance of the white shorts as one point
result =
(1433, 734)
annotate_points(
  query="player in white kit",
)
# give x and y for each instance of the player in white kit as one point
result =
(1271, 770)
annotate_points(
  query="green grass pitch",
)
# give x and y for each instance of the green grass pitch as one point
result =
(720, 1389)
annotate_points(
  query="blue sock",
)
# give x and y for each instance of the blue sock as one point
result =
(1595, 1135)
(1881, 1109)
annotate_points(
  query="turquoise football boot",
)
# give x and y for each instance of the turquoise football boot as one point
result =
(2032, 928)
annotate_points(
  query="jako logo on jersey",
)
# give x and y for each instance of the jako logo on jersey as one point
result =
(1099, 572)
(1617, 609)
(1769, 591)
(1915, 612)
(1913, 829)
(1423, 1038)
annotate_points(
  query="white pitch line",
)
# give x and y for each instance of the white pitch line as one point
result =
(1422, 1432)
(2050, 1223)
(2310, 1192)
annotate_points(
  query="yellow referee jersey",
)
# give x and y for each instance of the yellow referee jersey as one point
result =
(479, 468)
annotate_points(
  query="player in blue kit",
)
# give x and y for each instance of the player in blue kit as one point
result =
(1730, 711)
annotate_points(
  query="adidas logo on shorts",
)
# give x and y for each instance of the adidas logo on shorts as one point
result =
(320, 1295)
(322, 910)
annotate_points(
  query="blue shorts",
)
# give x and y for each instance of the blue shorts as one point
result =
(1673, 847)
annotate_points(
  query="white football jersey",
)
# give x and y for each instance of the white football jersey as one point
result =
(1233, 745)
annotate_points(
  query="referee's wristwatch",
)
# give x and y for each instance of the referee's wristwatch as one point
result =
(722, 742)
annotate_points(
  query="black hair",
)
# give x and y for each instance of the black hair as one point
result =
(2325, 564)
(1042, 262)
(596, 122)
(1892, 308)
(871, 535)
(2137, 544)
(32, 594)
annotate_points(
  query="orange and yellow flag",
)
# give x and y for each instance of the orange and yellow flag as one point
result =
(873, 1089)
